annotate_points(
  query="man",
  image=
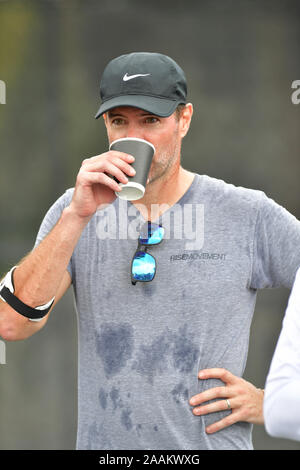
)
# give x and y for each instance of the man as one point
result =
(141, 347)
(282, 397)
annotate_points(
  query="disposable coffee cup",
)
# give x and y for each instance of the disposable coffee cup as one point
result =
(143, 152)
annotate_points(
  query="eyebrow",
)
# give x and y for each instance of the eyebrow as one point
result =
(112, 114)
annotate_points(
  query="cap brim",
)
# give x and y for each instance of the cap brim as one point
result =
(158, 106)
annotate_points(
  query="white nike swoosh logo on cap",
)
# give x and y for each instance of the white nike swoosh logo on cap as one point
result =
(130, 77)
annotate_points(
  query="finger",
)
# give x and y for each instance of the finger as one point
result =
(210, 394)
(219, 405)
(115, 171)
(119, 169)
(89, 178)
(233, 418)
(124, 166)
(111, 169)
(218, 373)
(121, 155)
(98, 163)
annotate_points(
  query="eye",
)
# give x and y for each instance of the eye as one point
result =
(117, 122)
(151, 120)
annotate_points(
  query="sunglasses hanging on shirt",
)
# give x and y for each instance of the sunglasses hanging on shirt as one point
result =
(143, 265)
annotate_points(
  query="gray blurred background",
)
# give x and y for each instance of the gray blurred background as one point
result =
(240, 58)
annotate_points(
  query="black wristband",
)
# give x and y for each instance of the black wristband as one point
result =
(22, 308)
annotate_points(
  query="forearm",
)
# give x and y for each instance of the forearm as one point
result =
(41, 276)
(38, 277)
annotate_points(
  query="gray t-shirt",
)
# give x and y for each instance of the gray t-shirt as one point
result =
(141, 346)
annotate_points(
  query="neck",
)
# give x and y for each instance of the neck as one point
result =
(163, 193)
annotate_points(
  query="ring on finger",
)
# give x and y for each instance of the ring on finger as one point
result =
(228, 403)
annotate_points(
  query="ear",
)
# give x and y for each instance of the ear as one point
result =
(185, 119)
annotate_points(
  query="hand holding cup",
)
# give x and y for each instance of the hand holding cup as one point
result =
(143, 152)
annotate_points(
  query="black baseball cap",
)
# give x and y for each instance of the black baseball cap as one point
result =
(147, 80)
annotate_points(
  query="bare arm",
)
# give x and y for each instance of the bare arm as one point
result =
(14, 327)
(43, 273)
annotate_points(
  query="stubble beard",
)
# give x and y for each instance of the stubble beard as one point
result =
(163, 168)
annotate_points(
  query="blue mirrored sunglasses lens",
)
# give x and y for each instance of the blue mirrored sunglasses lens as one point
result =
(143, 266)
(151, 234)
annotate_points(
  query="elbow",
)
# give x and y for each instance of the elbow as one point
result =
(10, 333)
(12, 325)
(16, 334)
(7, 333)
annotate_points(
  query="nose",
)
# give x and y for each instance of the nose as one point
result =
(133, 130)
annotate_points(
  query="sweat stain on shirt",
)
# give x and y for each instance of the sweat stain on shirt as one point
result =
(169, 349)
(114, 345)
(151, 359)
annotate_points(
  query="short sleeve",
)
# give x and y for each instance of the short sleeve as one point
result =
(52, 217)
(276, 246)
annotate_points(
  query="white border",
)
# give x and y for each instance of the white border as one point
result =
(133, 138)
(131, 184)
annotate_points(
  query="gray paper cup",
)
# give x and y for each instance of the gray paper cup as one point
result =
(143, 151)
